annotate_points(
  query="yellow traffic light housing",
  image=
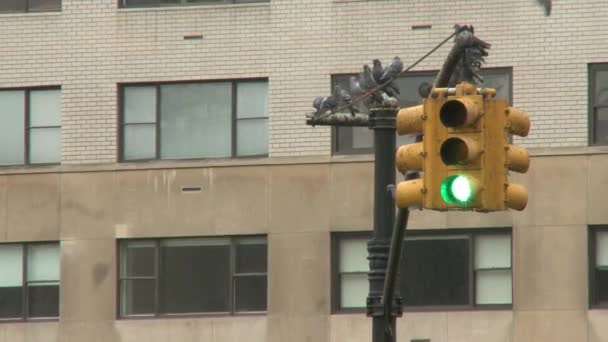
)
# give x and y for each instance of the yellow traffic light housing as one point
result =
(465, 153)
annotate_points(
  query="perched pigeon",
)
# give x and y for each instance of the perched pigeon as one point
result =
(324, 104)
(546, 5)
(392, 88)
(466, 38)
(392, 70)
(368, 84)
(316, 103)
(356, 93)
(342, 94)
(377, 70)
(366, 80)
(344, 99)
(424, 89)
(355, 88)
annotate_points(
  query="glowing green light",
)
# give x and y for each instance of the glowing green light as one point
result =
(456, 189)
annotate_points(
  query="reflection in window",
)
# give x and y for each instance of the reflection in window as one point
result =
(598, 98)
(40, 141)
(195, 120)
(10, 6)
(599, 284)
(443, 269)
(29, 290)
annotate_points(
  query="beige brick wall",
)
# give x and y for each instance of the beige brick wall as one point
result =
(92, 45)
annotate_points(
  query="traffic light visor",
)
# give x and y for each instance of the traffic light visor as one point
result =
(458, 113)
(459, 151)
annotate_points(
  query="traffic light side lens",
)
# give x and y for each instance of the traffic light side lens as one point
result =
(453, 114)
(456, 189)
(454, 151)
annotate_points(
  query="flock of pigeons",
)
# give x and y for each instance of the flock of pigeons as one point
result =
(373, 85)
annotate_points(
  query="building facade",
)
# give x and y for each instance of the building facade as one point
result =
(159, 182)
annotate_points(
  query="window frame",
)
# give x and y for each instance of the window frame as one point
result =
(349, 150)
(592, 69)
(469, 233)
(157, 146)
(592, 249)
(233, 242)
(123, 4)
(27, 9)
(27, 128)
(24, 284)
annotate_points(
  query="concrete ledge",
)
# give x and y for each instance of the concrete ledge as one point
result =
(237, 162)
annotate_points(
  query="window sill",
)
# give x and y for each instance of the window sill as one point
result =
(496, 307)
(30, 14)
(29, 320)
(193, 6)
(193, 315)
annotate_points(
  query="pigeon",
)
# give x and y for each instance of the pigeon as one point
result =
(392, 70)
(546, 5)
(424, 89)
(344, 99)
(392, 88)
(324, 104)
(465, 37)
(367, 83)
(355, 88)
(366, 80)
(377, 70)
(356, 92)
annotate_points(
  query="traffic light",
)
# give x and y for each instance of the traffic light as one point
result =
(465, 153)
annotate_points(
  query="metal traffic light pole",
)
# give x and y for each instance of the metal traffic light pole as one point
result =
(382, 122)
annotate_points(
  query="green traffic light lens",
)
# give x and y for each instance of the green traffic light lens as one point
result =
(456, 189)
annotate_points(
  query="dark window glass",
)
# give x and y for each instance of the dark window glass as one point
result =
(601, 283)
(143, 3)
(30, 5)
(11, 302)
(200, 286)
(140, 3)
(13, 6)
(140, 261)
(250, 293)
(435, 272)
(351, 140)
(251, 258)
(43, 300)
(599, 273)
(196, 275)
(138, 297)
(598, 98)
(44, 5)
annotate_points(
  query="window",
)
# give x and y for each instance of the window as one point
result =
(350, 140)
(157, 3)
(193, 275)
(598, 104)
(31, 130)
(29, 281)
(194, 120)
(8, 6)
(441, 269)
(598, 262)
